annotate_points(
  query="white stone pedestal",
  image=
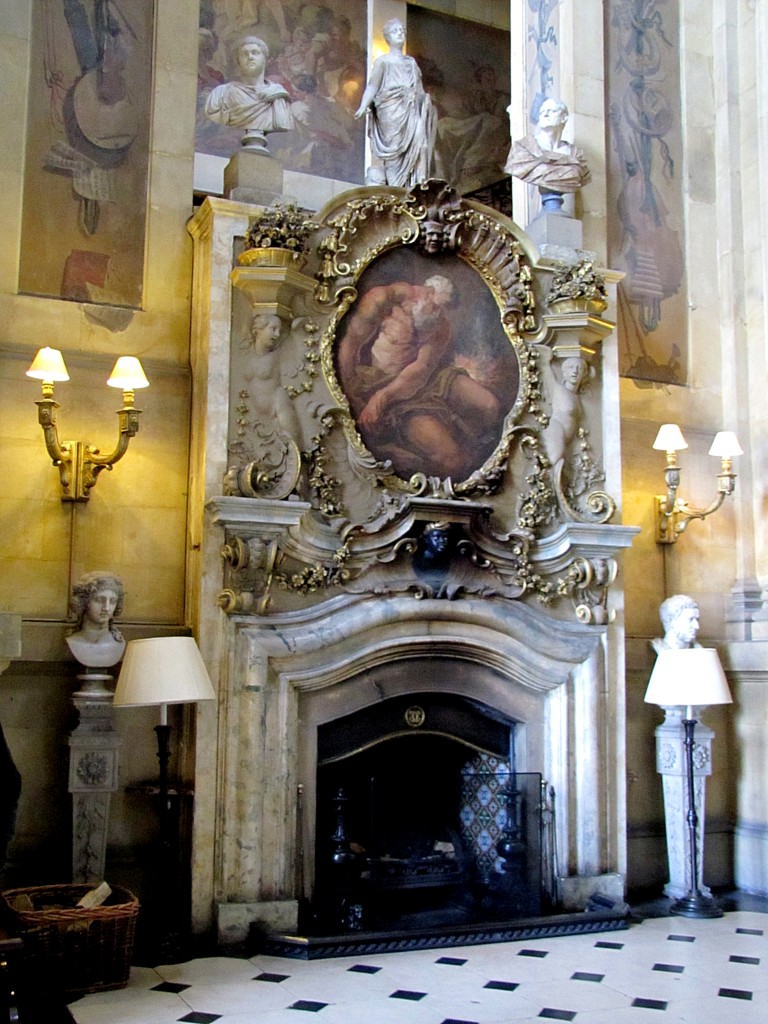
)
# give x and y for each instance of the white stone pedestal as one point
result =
(93, 764)
(671, 765)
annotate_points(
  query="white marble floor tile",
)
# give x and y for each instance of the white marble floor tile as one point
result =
(235, 997)
(208, 969)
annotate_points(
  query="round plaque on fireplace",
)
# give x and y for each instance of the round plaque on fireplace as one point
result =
(415, 716)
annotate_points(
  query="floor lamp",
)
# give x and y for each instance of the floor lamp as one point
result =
(157, 672)
(686, 677)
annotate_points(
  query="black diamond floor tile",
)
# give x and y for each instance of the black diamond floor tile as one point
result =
(276, 978)
(196, 1017)
(750, 931)
(364, 969)
(453, 961)
(754, 960)
(609, 945)
(307, 1004)
(404, 993)
(734, 993)
(681, 938)
(169, 986)
(552, 1014)
(669, 968)
(502, 986)
(650, 1004)
(586, 976)
(541, 953)
(455, 1020)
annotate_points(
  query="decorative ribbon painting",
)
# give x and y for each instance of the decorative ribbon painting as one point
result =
(86, 163)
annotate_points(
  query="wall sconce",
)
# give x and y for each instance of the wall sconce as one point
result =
(79, 462)
(672, 513)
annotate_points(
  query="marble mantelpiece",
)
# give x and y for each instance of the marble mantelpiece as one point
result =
(309, 606)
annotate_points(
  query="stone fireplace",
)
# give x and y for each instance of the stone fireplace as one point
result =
(343, 605)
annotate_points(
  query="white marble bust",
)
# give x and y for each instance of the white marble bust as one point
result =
(97, 597)
(680, 618)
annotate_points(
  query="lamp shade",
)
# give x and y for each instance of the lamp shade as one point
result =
(688, 676)
(726, 445)
(162, 670)
(670, 438)
(48, 365)
(128, 374)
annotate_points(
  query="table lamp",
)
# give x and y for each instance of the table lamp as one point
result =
(162, 671)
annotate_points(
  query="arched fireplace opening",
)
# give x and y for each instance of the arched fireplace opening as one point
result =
(423, 820)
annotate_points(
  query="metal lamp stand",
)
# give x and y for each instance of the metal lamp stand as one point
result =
(695, 903)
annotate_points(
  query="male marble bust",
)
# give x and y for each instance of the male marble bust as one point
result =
(544, 158)
(680, 618)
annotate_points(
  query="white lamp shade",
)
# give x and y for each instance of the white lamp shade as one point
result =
(670, 438)
(688, 676)
(726, 445)
(128, 374)
(162, 670)
(48, 365)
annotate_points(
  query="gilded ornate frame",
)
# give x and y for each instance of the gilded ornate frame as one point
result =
(434, 224)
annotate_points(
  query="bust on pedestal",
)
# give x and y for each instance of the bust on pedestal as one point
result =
(258, 107)
(96, 642)
(680, 618)
(97, 597)
(558, 168)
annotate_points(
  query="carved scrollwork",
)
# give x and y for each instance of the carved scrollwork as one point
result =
(342, 488)
(275, 475)
(586, 582)
(250, 571)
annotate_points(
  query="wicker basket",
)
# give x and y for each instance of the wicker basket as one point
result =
(73, 949)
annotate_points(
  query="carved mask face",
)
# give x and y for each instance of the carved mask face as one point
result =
(433, 236)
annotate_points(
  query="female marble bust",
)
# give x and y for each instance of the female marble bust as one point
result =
(96, 642)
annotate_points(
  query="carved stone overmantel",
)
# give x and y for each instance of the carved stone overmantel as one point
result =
(455, 534)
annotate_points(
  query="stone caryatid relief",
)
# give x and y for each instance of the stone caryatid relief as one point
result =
(422, 425)
(267, 425)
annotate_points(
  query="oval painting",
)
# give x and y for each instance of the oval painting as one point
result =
(426, 365)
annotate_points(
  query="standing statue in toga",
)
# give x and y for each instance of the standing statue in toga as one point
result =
(403, 121)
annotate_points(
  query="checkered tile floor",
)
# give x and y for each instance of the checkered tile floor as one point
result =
(662, 970)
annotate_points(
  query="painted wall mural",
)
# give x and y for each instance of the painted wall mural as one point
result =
(542, 56)
(469, 86)
(317, 54)
(644, 186)
(86, 159)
